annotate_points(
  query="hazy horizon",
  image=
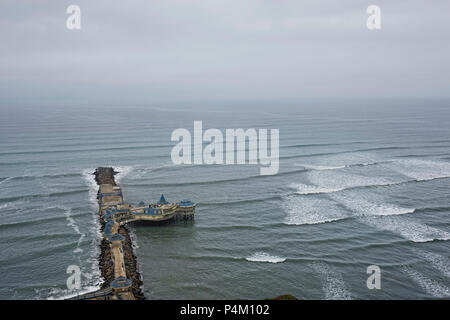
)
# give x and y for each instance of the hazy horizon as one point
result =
(157, 51)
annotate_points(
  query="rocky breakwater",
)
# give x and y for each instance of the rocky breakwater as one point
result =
(105, 176)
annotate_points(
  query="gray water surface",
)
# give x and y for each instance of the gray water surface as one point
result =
(357, 186)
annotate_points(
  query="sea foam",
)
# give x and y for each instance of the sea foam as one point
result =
(123, 171)
(438, 262)
(407, 228)
(309, 189)
(430, 286)
(264, 257)
(421, 170)
(333, 284)
(359, 204)
(310, 210)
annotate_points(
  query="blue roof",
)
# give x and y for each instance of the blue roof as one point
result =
(108, 214)
(162, 200)
(120, 282)
(116, 237)
(108, 227)
(109, 224)
(186, 203)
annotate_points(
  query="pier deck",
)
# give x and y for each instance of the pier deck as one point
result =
(117, 260)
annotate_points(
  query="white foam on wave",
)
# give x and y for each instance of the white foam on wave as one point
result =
(388, 210)
(439, 262)
(346, 159)
(361, 206)
(92, 185)
(431, 286)
(339, 180)
(92, 280)
(335, 182)
(421, 170)
(72, 223)
(326, 180)
(333, 284)
(310, 210)
(134, 239)
(62, 294)
(318, 167)
(309, 189)
(368, 208)
(371, 209)
(93, 277)
(123, 171)
(385, 216)
(407, 228)
(264, 257)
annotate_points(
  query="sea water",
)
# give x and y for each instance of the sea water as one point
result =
(360, 183)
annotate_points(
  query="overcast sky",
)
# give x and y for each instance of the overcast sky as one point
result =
(184, 50)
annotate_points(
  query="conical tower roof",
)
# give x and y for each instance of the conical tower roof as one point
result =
(162, 200)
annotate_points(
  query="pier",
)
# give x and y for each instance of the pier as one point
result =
(117, 260)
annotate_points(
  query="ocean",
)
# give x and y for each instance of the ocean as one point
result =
(360, 183)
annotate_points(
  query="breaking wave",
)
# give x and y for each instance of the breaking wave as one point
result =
(438, 262)
(369, 205)
(333, 284)
(305, 189)
(320, 168)
(421, 170)
(72, 223)
(407, 228)
(301, 210)
(430, 286)
(122, 172)
(335, 181)
(337, 167)
(264, 257)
